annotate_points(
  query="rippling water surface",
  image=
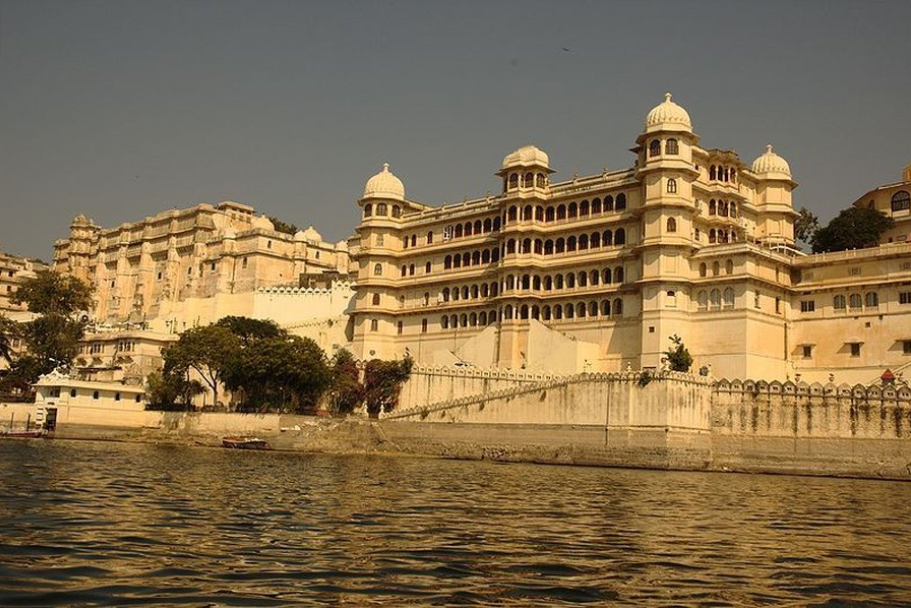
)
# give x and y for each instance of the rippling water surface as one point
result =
(120, 524)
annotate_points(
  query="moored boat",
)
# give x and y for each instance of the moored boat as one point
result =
(22, 434)
(245, 443)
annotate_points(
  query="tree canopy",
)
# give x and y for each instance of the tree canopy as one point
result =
(51, 339)
(852, 228)
(678, 356)
(805, 226)
(383, 382)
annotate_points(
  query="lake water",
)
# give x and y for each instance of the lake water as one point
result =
(124, 524)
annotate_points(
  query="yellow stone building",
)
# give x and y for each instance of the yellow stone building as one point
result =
(597, 272)
(13, 270)
(192, 266)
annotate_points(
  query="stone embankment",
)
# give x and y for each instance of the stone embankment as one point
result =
(669, 421)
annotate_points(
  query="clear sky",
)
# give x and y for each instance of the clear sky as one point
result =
(121, 109)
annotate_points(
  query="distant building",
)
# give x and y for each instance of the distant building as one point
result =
(598, 272)
(13, 270)
(188, 267)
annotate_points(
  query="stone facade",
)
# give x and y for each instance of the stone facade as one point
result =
(598, 272)
(13, 269)
(158, 267)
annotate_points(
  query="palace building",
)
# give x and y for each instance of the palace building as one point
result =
(187, 267)
(596, 273)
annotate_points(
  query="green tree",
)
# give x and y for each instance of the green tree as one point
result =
(249, 330)
(678, 356)
(347, 392)
(281, 226)
(51, 339)
(805, 226)
(383, 382)
(210, 351)
(852, 228)
(9, 331)
(172, 391)
(50, 293)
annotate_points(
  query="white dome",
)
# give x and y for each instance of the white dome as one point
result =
(771, 165)
(263, 223)
(527, 156)
(668, 116)
(385, 185)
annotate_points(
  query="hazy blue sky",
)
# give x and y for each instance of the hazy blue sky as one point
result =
(121, 109)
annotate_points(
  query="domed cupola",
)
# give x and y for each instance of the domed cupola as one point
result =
(385, 185)
(310, 234)
(526, 156)
(668, 116)
(771, 166)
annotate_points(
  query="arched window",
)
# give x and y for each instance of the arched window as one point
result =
(558, 312)
(548, 283)
(488, 225)
(396, 211)
(457, 233)
(871, 299)
(473, 319)
(477, 226)
(445, 294)
(715, 298)
(607, 238)
(368, 210)
(513, 181)
(593, 277)
(672, 299)
(584, 207)
(571, 243)
(620, 237)
(558, 282)
(374, 325)
(838, 303)
(618, 274)
(733, 209)
(526, 246)
(378, 270)
(570, 311)
(583, 242)
(529, 180)
(605, 308)
(672, 186)
(523, 312)
(536, 283)
(482, 318)
(447, 262)
(901, 201)
(427, 268)
(595, 240)
(539, 213)
(511, 246)
(596, 206)
(712, 236)
(702, 269)
(549, 214)
(570, 281)
(671, 224)
(381, 209)
(496, 223)
(376, 299)
(716, 269)
(526, 282)
(729, 297)
(855, 301)
(606, 276)
(527, 213)
(430, 238)
(404, 270)
(729, 267)
(545, 313)
(475, 258)
(712, 172)
(466, 259)
(411, 270)
(671, 147)
(618, 308)
(513, 213)
(608, 203)
(580, 310)
(542, 181)
(495, 254)
(583, 279)
(572, 211)
(703, 300)
(468, 229)
(654, 148)
(712, 208)
(621, 202)
(560, 245)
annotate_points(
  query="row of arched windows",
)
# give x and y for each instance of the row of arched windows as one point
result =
(855, 301)
(722, 173)
(716, 268)
(473, 319)
(723, 208)
(569, 244)
(722, 236)
(382, 210)
(473, 258)
(528, 180)
(670, 147)
(556, 213)
(409, 269)
(715, 299)
(570, 280)
(557, 312)
(484, 290)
